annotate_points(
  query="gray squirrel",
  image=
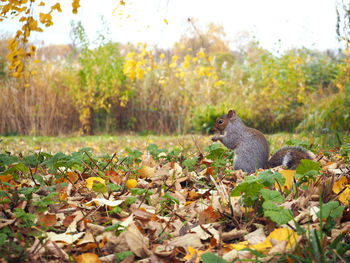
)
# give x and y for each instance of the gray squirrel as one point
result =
(251, 148)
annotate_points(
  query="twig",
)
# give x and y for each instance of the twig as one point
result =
(92, 170)
(126, 179)
(110, 161)
(92, 160)
(220, 241)
(342, 260)
(98, 246)
(196, 144)
(179, 216)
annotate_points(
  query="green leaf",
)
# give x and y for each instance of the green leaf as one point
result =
(315, 242)
(216, 151)
(211, 258)
(331, 209)
(277, 214)
(130, 200)
(122, 255)
(250, 187)
(271, 195)
(3, 238)
(190, 163)
(268, 178)
(306, 166)
(154, 151)
(99, 188)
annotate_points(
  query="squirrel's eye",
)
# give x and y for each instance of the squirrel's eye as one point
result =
(221, 121)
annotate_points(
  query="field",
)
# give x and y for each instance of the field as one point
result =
(109, 144)
(169, 199)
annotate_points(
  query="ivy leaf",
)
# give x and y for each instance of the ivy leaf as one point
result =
(216, 151)
(190, 163)
(269, 178)
(331, 209)
(250, 187)
(271, 195)
(308, 166)
(277, 214)
(211, 258)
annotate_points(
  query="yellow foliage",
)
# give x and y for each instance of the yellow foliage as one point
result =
(339, 186)
(91, 180)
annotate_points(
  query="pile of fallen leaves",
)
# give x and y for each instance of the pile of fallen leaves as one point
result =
(162, 206)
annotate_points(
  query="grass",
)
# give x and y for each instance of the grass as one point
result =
(110, 144)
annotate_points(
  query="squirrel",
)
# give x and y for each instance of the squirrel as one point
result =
(251, 148)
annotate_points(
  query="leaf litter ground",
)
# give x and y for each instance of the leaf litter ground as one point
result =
(172, 205)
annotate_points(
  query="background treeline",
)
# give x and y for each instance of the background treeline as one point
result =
(100, 86)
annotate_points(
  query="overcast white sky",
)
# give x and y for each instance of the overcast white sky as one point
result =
(275, 23)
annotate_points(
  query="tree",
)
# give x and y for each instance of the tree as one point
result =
(343, 20)
(22, 11)
(101, 78)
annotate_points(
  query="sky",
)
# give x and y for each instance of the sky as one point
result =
(276, 24)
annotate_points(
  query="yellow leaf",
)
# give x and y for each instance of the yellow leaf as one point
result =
(192, 252)
(342, 183)
(42, 3)
(57, 6)
(288, 175)
(166, 21)
(90, 181)
(238, 246)
(281, 234)
(75, 5)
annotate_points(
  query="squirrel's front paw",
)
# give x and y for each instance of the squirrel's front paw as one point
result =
(215, 138)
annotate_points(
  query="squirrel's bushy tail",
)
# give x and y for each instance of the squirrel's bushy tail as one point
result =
(290, 157)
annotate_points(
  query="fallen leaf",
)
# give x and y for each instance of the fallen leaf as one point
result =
(146, 172)
(288, 175)
(91, 180)
(87, 258)
(342, 183)
(47, 220)
(137, 242)
(64, 237)
(102, 201)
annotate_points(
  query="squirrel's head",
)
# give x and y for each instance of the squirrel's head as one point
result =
(221, 123)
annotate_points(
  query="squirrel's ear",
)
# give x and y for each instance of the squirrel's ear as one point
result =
(231, 113)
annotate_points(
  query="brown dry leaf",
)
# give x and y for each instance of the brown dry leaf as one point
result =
(192, 195)
(64, 237)
(68, 220)
(146, 172)
(209, 215)
(6, 179)
(203, 231)
(143, 214)
(87, 258)
(137, 242)
(114, 177)
(185, 241)
(47, 220)
(279, 247)
(256, 236)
